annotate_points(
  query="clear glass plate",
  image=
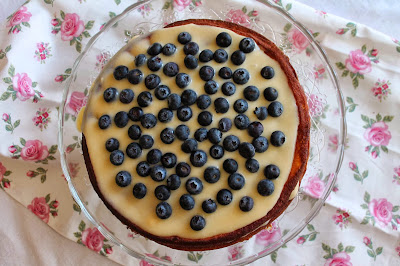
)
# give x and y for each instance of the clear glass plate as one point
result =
(319, 82)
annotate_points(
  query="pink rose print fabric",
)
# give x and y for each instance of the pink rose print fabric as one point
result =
(315, 186)
(358, 62)
(34, 150)
(41, 40)
(341, 258)
(20, 17)
(40, 208)
(76, 102)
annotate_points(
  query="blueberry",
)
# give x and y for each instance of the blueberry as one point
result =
(174, 101)
(182, 132)
(252, 165)
(211, 87)
(214, 135)
(277, 138)
(241, 121)
(236, 181)
(154, 156)
(201, 134)
(247, 45)
(140, 59)
(173, 182)
(191, 62)
(121, 119)
(212, 174)
(117, 157)
(265, 187)
(139, 190)
(110, 94)
(162, 92)
(275, 109)
(217, 151)
(154, 63)
(134, 132)
(198, 158)
(182, 169)
(133, 150)
(167, 135)
(224, 197)
(143, 169)
(206, 73)
(188, 97)
(221, 105)
(184, 37)
(225, 124)
(163, 210)
(162, 192)
(197, 223)
(154, 49)
(146, 141)
(112, 144)
(270, 94)
(228, 88)
(231, 143)
(158, 173)
(168, 160)
(240, 106)
(206, 55)
(224, 39)
(148, 121)
(186, 201)
(220, 56)
(135, 113)
(194, 186)
(126, 96)
(191, 48)
(152, 81)
(182, 80)
(205, 118)
(135, 76)
(251, 93)
(246, 204)
(267, 72)
(225, 73)
(209, 206)
(230, 166)
(241, 76)
(104, 121)
(203, 101)
(238, 57)
(120, 72)
(123, 179)
(171, 69)
(272, 171)
(260, 144)
(144, 99)
(255, 129)
(165, 115)
(184, 113)
(169, 49)
(261, 112)
(246, 150)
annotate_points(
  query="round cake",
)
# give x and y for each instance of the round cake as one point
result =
(197, 135)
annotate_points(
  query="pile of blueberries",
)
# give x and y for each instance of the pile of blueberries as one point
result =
(157, 163)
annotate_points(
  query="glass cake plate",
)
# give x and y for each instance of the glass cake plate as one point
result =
(316, 76)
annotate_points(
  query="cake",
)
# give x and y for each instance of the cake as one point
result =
(197, 135)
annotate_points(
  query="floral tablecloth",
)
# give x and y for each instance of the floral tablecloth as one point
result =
(359, 223)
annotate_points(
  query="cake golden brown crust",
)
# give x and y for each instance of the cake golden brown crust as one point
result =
(297, 171)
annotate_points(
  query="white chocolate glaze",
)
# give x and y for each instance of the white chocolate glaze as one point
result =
(142, 211)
